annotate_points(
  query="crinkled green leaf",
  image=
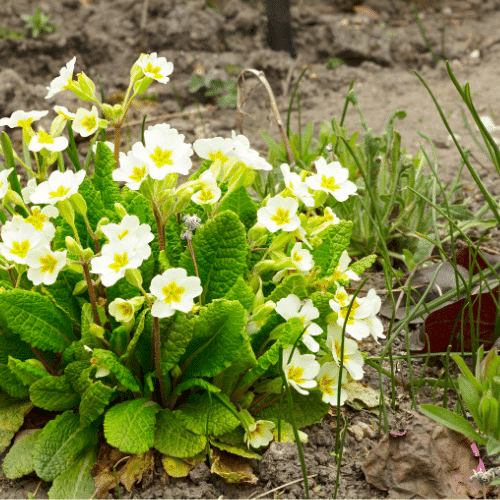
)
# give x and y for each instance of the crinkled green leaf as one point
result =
(174, 340)
(36, 320)
(173, 242)
(172, 438)
(11, 345)
(54, 393)
(102, 179)
(26, 372)
(337, 240)
(12, 413)
(60, 444)
(88, 338)
(221, 419)
(194, 382)
(139, 328)
(76, 481)
(118, 340)
(95, 204)
(241, 292)
(19, 460)
(122, 374)
(11, 384)
(321, 300)
(360, 266)
(78, 374)
(61, 295)
(295, 283)
(262, 335)
(218, 333)
(241, 450)
(240, 202)
(94, 401)
(130, 426)
(221, 248)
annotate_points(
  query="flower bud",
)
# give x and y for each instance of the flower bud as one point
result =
(120, 210)
(263, 311)
(256, 232)
(66, 211)
(87, 254)
(134, 277)
(183, 202)
(142, 85)
(108, 111)
(72, 246)
(96, 331)
(103, 222)
(13, 197)
(80, 287)
(86, 86)
(319, 198)
(78, 203)
(136, 73)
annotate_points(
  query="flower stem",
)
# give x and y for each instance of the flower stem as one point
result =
(160, 227)
(42, 360)
(11, 276)
(157, 344)
(191, 251)
(92, 294)
(117, 142)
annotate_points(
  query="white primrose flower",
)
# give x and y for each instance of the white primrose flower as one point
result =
(165, 151)
(259, 433)
(214, 149)
(4, 181)
(40, 220)
(155, 67)
(330, 217)
(28, 191)
(18, 239)
(116, 257)
(63, 81)
(341, 272)
(133, 170)
(296, 186)
(44, 265)
(279, 213)
(131, 226)
(86, 122)
(121, 310)
(353, 360)
(301, 259)
(300, 370)
(332, 178)
(64, 112)
(42, 140)
(328, 384)
(249, 157)
(175, 290)
(22, 119)
(374, 323)
(209, 192)
(59, 186)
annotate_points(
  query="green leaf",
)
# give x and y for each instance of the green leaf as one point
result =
(197, 409)
(94, 401)
(12, 413)
(221, 248)
(54, 394)
(173, 242)
(102, 179)
(122, 374)
(139, 328)
(470, 397)
(61, 295)
(174, 341)
(172, 438)
(11, 345)
(240, 202)
(337, 240)
(76, 481)
(241, 292)
(307, 410)
(19, 460)
(130, 426)
(118, 340)
(11, 384)
(78, 374)
(218, 333)
(452, 421)
(360, 266)
(295, 283)
(26, 372)
(194, 382)
(60, 444)
(36, 320)
(239, 449)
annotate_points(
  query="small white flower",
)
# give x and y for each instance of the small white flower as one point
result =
(249, 157)
(133, 170)
(293, 307)
(259, 434)
(330, 217)
(4, 181)
(165, 151)
(209, 192)
(332, 178)
(341, 272)
(307, 338)
(175, 290)
(328, 383)
(121, 310)
(63, 81)
(214, 149)
(42, 140)
(40, 220)
(22, 119)
(44, 265)
(301, 259)
(18, 239)
(353, 360)
(279, 213)
(374, 323)
(300, 370)
(28, 191)
(116, 257)
(64, 112)
(155, 67)
(297, 187)
(59, 186)
(86, 122)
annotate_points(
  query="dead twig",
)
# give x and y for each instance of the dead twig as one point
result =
(281, 487)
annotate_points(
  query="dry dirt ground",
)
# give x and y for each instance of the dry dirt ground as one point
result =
(380, 44)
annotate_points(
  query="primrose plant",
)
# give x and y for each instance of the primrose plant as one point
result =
(167, 315)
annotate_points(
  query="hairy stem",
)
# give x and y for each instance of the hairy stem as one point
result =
(157, 344)
(92, 294)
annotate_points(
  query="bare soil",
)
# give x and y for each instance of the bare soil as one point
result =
(381, 46)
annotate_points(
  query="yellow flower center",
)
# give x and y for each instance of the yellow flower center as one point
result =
(89, 122)
(119, 261)
(161, 157)
(49, 264)
(281, 217)
(325, 384)
(155, 70)
(138, 173)
(61, 191)
(338, 275)
(341, 297)
(328, 216)
(218, 156)
(296, 257)
(36, 219)
(296, 373)
(126, 309)
(172, 292)
(25, 123)
(44, 138)
(338, 351)
(20, 248)
(206, 195)
(122, 235)
(329, 183)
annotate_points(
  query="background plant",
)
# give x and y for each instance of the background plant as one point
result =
(38, 23)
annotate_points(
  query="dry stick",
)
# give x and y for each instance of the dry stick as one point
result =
(241, 100)
(281, 487)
